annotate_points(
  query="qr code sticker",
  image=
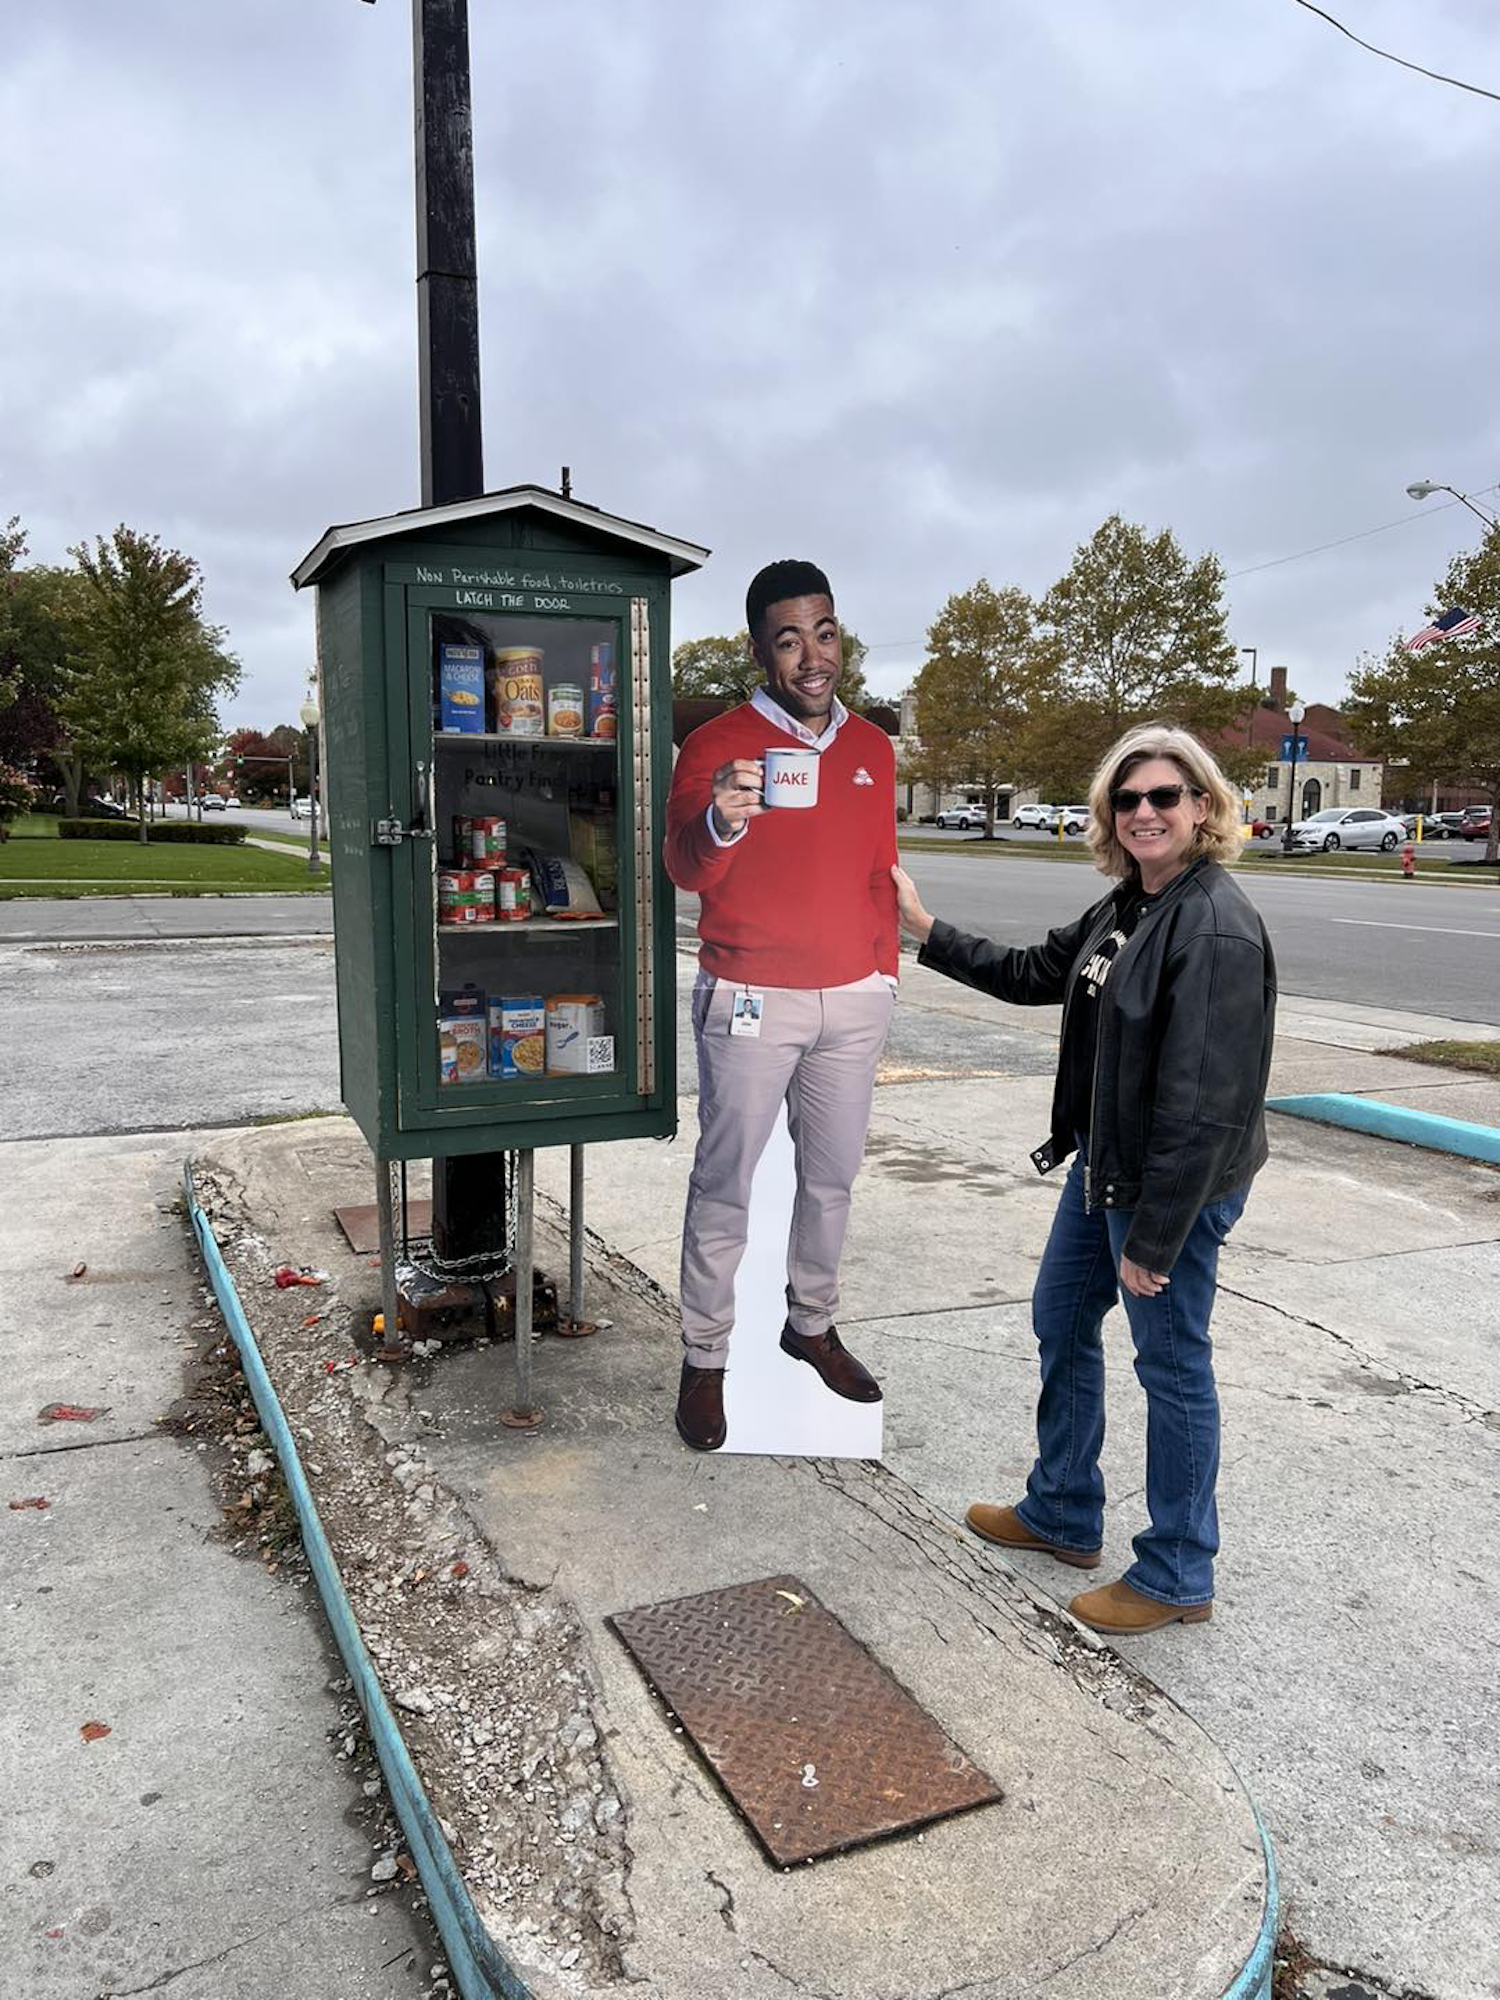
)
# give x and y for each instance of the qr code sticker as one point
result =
(601, 1055)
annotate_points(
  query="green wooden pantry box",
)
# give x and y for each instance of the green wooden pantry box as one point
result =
(496, 697)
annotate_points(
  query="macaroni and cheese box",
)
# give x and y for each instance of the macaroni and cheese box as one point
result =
(518, 1035)
(461, 689)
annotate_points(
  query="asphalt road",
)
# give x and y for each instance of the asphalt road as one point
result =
(1414, 945)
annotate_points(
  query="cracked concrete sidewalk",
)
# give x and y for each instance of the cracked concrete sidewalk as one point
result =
(1345, 1672)
(1348, 1671)
(206, 1845)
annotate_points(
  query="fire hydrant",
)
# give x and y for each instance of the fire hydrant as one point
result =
(1409, 862)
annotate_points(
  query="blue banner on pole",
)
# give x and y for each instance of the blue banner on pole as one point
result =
(1287, 752)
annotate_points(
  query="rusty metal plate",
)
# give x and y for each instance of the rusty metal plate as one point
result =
(818, 1745)
(360, 1223)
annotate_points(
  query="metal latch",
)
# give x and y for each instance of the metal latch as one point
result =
(391, 833)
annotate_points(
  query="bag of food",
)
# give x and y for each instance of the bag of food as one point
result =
(562, 887)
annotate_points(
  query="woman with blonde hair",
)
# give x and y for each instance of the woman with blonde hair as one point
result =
(1168, 991)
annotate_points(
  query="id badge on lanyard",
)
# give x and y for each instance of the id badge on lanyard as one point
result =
(745, 1011)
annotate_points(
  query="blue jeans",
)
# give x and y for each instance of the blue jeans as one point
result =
(1076, 1286)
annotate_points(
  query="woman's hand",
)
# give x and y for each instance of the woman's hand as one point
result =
(1143, 1283)
(909, 906)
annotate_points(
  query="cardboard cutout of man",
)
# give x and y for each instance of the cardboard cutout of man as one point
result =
(782, 818)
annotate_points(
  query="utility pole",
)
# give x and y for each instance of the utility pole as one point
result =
(468, 1193)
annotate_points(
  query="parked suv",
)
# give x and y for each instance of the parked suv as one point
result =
(967, 817)
(1036, 816)
(1475, 824)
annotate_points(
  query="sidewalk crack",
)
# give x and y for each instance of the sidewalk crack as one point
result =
(164, 1979)
(81, 1444)
(1467, 1406)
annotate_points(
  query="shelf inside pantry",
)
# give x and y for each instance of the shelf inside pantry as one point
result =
(446, 736)
(557, 926)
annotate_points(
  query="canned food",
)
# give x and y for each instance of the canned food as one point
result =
(457, 903)
(565, 710)
(602, 720)
(516, 691)
(486, 846)
(484, 896)
(512, 895)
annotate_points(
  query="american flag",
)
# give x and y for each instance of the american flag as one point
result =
(1455, 624)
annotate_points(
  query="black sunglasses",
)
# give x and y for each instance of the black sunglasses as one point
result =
(1162, 797)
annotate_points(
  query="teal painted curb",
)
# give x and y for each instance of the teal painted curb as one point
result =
(1395, 1121)
(481, 1971)
(1254, 1981)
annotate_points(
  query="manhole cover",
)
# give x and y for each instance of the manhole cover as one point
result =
(817, 1745)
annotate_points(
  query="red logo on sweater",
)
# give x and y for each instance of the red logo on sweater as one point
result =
(862, 777)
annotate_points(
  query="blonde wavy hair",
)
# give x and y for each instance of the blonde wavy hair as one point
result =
(1220, 836)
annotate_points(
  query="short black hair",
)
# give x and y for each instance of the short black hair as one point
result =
(780, 580)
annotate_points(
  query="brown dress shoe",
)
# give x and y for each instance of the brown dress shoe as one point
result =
(833, 1361)
(1004, 1526)
(700, 1408)
(1115, 1607)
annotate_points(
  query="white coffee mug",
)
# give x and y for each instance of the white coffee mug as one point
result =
(791, 778)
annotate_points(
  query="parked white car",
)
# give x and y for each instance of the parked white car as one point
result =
(1074, 818)
(969, 817)
(1349, 826)
(1038, 816)
(301, 808)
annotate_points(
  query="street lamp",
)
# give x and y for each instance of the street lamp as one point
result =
(1423, 489)
(310, 720)
(1294, 715)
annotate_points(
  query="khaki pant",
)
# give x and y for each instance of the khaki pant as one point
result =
(816, 1051)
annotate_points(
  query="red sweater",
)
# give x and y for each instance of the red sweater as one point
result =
(802, 898)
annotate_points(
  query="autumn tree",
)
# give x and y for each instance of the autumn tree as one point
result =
(140, 688)
(1437, 710)
(39, 607)
(980, 690)
(726, 668)
(1137, 633)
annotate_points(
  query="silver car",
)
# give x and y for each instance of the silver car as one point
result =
(1349, 826)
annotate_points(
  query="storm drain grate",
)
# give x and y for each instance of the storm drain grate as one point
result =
(816, 1744)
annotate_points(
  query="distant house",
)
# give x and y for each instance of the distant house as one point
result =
(1330, 770)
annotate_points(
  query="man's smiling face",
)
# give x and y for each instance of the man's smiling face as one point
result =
(797, 648)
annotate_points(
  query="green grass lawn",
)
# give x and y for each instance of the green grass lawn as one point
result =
(1483, 1057)
(34, 862)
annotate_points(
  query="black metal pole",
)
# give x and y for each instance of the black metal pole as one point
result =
(1291, 797)
(447, 274)
(468, 1194)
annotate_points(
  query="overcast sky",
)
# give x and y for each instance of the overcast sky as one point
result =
(921, 289)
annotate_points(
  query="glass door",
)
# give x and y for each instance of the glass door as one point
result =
(526, 928)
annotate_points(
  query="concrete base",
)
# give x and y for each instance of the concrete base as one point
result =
(1125, 1857)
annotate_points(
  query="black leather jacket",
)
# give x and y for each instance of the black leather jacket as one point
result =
(1186, 1020)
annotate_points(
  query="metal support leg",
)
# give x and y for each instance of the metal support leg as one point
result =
(524, 1414)
(385, 1196)
(574, 1326)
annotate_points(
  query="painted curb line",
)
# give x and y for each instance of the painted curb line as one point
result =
(1395, 1121)
(1255, 1976)
(476, 1962)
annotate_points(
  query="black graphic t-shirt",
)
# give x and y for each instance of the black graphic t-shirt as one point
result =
(1083, 1012)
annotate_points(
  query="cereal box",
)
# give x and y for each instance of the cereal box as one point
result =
(461, 690)
(518, 1044)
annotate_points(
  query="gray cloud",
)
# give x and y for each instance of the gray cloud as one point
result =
(924, 292)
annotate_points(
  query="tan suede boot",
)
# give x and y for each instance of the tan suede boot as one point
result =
(1004, 1527)
(1115, 1607)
